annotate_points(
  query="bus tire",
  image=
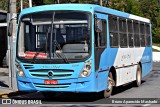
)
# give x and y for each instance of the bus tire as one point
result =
(108, 91)
(138, 76)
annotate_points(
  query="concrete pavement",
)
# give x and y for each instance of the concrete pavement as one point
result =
(4, 82)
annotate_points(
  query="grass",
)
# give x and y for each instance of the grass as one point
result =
(155, 50)
(156, 44)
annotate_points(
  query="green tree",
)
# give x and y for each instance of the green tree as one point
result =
(133, 7)
(4, 5)
(117, 4)
(151, 10)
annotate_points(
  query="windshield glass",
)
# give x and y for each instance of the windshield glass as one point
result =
(53, 35)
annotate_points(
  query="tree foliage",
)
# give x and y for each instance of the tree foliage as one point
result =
(151, 10)
(145, 8)
(3, 5)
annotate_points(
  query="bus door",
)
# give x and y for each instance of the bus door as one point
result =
(100, 41)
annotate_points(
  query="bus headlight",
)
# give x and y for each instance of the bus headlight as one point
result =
(21, 73)
(86, 69)
(19, 70)
(85, 73)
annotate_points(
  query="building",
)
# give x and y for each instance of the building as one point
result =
(3, 35)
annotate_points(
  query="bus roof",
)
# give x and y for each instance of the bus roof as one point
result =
(84, 7)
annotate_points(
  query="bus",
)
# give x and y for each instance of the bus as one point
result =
(81, 48)
(3, 35)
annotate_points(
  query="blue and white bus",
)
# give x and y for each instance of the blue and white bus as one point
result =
(81, 48)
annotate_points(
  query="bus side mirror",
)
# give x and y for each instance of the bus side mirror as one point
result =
(98, 25)
(10, 28)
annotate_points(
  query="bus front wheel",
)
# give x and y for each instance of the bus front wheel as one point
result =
(108, 91)
(138, 76)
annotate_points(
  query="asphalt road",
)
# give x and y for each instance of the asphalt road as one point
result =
(150, 88)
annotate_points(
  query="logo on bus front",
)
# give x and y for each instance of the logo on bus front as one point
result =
(50, 74)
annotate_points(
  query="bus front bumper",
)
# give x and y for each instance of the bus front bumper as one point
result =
(64, 85)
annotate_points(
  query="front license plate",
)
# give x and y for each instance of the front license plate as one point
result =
(50, 82)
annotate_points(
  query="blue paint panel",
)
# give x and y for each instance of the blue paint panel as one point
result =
(76, 84)
(64, 85)
(82, 7)
(112, 11)
(107, 60)
(146, 61)
(108, 57)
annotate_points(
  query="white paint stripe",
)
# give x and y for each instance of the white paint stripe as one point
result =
(139, 18)
(125, 57)
(3, 24)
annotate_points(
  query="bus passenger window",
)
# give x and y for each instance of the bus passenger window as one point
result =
(113, 31)
(142, 34)
(136, 35)
(136, 40)
(148, 39)
(130, 34)
(114, 39)
(131, 40)
(123, 33)
(123, 40)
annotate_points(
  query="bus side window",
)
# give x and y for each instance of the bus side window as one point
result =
(113, 31)
(130, 33)
(136, 34)
(123, 33)
(142, 34)
(148, 39)
(100, 37)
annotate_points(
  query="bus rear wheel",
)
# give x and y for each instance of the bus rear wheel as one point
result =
(108, 91)
(138, 76)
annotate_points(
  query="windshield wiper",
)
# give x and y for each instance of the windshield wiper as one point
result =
(51, 55)
(59, 55)
(35, 57)
(47, 39)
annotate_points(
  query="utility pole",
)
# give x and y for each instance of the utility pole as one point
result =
(30, 3)
(101, 3)
(12, 19)
(58, 1)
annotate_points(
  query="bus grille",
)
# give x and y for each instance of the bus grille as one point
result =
(28, 66)
(57, 73)
(52, 86)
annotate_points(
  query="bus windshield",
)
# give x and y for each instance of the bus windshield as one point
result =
(53, 35)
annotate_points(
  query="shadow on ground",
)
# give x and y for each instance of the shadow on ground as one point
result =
(65, 98)
(2, 84)
(4, 74)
